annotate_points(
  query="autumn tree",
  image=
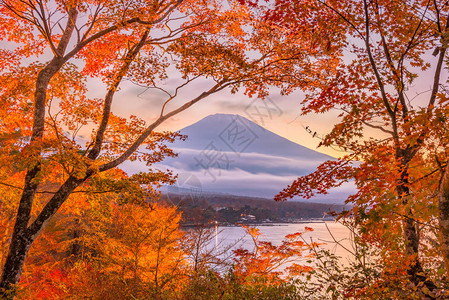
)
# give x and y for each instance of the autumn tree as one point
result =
(260, 270)
(389, 87)
(269, 261)
(105, 247)
(52, 49)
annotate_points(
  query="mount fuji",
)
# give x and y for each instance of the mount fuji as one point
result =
(230, 154)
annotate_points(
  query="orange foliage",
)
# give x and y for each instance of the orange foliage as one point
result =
(114, 251)
(273, 263)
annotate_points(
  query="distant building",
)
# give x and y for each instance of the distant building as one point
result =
(244, 217)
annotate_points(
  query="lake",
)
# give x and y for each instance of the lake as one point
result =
(323, 232)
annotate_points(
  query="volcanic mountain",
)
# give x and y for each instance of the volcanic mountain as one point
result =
(226, 153)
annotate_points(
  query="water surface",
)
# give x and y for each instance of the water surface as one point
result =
(325, 233)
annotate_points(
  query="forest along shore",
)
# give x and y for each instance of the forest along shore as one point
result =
(232, 210)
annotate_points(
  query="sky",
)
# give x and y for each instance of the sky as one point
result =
(277, 113)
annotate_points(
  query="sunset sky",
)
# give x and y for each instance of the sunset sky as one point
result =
(280, 114)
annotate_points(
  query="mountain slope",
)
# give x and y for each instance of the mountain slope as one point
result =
(218, 128)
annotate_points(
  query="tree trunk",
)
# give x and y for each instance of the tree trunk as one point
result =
(21, 239)
(409, 225)
(23, 235)
(411, 237)
(76, 246)
(20, 244)
(443, 217)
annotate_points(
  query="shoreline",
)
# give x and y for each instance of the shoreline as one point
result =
(265, 224)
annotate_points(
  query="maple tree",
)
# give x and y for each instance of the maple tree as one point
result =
(261, 270)
(138, 250)
(54, 47)
(391, 127)
(266, 259)
(123, 250)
